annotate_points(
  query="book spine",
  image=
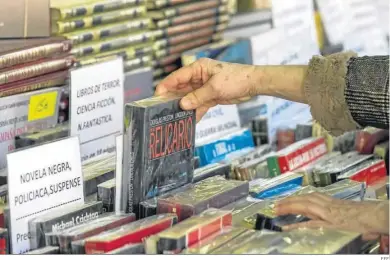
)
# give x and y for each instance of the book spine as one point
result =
(155, 4)
(112, 45)
(188, 27)
(136, 134)
(103, 33)
(167, 60)
(33, 54)
(185, 9)
(35, 70)
(191, 17)
(104, 18)
(136, 63)
(22, 88)
(183, 47)
(103, 6)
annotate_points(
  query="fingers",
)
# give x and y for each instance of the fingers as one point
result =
(311, 205)
(200, 112)
(199, 97)
(307, 224)
(175, 80)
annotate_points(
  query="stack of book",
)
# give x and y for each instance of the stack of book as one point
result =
(181, 25)
(102, 29)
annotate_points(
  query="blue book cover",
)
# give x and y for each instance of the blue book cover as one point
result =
(218, 150)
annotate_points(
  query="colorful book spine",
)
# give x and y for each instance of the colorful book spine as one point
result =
(296, 156)
(108, 31)
(64, 13)
(40, 82)
(181, 19)
(35, 53)
(35, 69)
(100, 19)
(109, 45)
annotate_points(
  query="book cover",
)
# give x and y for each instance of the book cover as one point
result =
(4, 242)
(106, 194)
(19, 51)
(368, 172)
(159, 145)
(42, 136)
(215, 151)
(211, 170)
(130, 249)
(138, 85)
(296, 155)
(64, 10)
(214, 192)
(60, 27)
(134, 232)
(104, 222)
(188, 232)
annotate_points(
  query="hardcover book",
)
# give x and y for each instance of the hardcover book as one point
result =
(19, 51)
(159, 148)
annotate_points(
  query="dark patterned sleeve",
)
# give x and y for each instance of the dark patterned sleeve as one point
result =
(367, 91)
(347, 93)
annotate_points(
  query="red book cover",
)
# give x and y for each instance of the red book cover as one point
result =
(369, 172)
(131, 233)
(190, 232)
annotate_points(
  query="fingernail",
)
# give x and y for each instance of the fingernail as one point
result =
(186, 103)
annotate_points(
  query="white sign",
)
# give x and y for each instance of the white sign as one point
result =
(334, 20)
(366, 36)
(97, 104)
(42, 179)
(294, 16)
(218, 121)
(14, 120)
(118, 174)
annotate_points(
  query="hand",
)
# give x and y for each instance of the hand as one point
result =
(207, 83)
(325, 211)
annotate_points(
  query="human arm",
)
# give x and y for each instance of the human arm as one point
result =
(332, 86)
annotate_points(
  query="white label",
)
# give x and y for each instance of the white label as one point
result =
(118, 173)
(97, 104)
(49, 178)
(334, 20)
(217, 122)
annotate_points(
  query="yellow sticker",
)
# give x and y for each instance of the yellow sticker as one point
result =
(42, 106)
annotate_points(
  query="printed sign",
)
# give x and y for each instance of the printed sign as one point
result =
(38, 186)
(97, 105)
(217, 122)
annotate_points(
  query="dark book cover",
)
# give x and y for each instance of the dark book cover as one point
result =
(159, 148)
(4, 241)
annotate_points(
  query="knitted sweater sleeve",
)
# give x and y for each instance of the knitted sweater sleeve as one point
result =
(346, 92)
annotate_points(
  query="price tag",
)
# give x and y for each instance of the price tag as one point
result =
(217, 122)
(42, 179)
(43, 106)
(97, 106)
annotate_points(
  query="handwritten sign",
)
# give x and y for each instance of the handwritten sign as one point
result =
(43, 106)
(42, 179)
(97, 105)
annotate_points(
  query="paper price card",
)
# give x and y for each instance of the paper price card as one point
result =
(40, 180)
(96, 105)
(42, 106)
